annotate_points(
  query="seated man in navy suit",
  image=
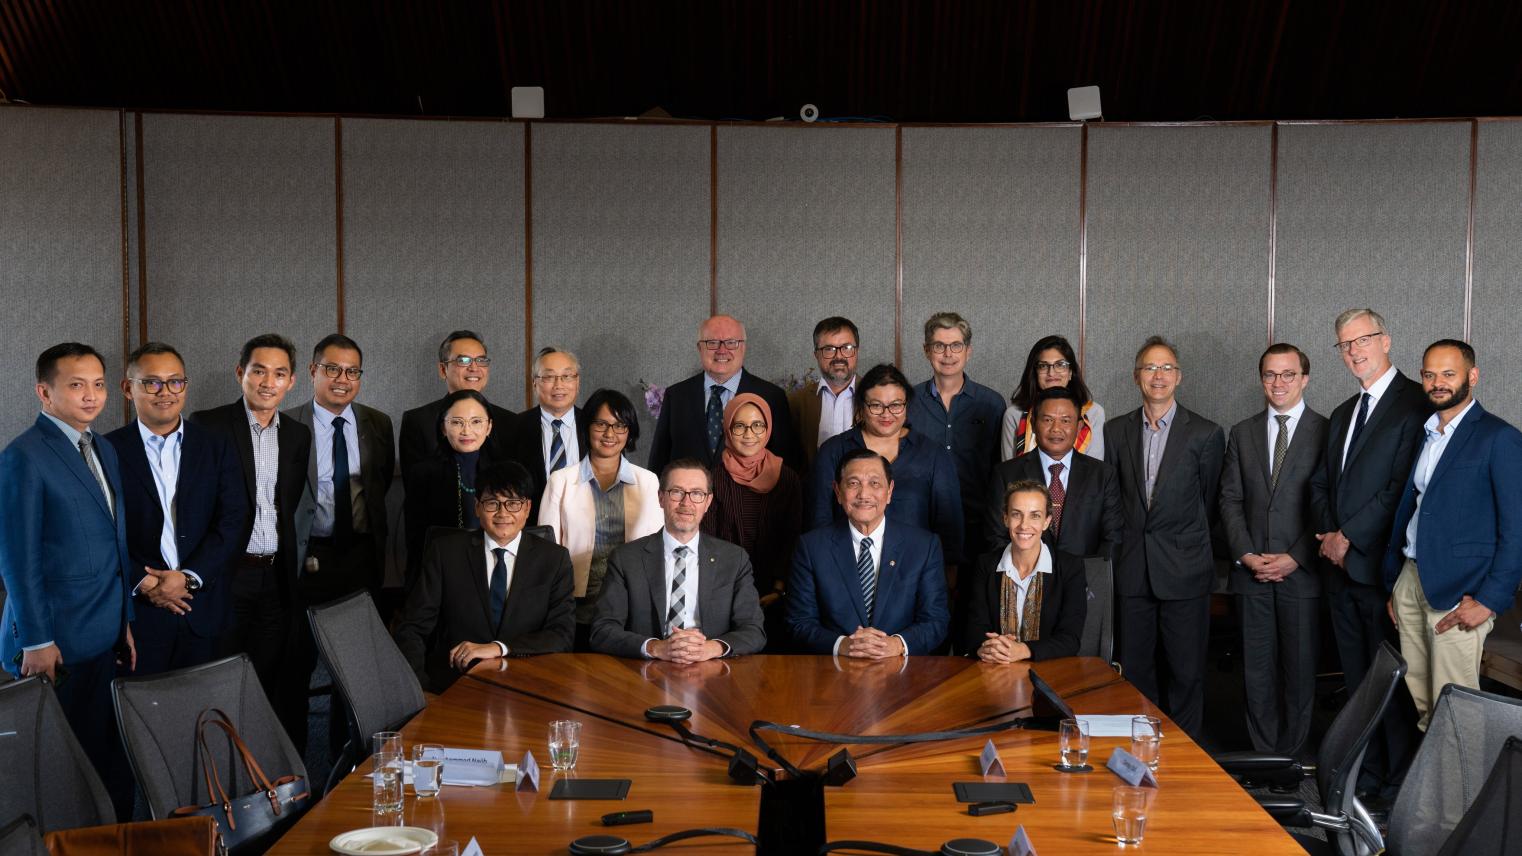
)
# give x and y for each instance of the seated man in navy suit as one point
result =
(860, 587)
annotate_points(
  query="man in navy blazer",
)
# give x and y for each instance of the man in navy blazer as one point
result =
(862, 588)
(1455, 556)
(183, 497)
(63, 557)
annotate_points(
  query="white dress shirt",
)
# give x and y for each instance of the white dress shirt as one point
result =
(567, 436)
(322, 446)
(1046, 468)
(1007, 568)
(836, 411)
(163, 455)
(1272, 425)
(876, 551)
(509, 561)
(1375, 391)
(1426, 463)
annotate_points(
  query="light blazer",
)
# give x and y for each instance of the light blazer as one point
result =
(1260, 518)
(1469, 540)
(63, 557)
(824, 599)
(451, 603)
(1064, 605)
(377, 463)
(804, 405)
(211, 512)
(1092, 520)
(631, 607)
(682, 429)
(1165, 551)
(568, 509)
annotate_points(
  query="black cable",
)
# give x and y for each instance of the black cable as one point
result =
(832, 737)
(873, 847)
(690, 738)
(694, 833)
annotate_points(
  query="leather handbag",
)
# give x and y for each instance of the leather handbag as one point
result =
(181, 836)
(259, 816)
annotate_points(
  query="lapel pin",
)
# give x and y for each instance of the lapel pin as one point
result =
(892, 562)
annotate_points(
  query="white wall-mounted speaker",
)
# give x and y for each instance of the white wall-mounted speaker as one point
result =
(1083, 103)
(528, 102)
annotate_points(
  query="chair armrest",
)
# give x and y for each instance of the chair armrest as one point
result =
(1246, 763)
(1289, 812)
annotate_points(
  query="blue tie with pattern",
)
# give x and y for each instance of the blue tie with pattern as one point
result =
(868, 576)
(557, 446)
(715, 418)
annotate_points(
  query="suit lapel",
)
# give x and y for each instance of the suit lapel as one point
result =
(74, 462)
(134, 462)
(889, 581)
(1171, 453)
(475, 565)
(1257, 441)
(1131, 435)
(1382, 409)
(655, 578)
(710, 593)
(1456, 443)
(244, 442)
(845, 558)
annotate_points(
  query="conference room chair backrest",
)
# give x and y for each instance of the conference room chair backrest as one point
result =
(1466, 734)
(21, 837)
(1341, 754)
(545, 532)
(1493, 824)
(157, 717)
(1099, 622)
(44, 770)
(367, 667)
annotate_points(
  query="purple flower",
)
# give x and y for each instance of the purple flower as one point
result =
(654, 397)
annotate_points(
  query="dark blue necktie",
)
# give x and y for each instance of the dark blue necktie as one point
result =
(557, 446)
(1363, 414)
(715, 418)
(343, 501)
(498, 587)
(868, 575)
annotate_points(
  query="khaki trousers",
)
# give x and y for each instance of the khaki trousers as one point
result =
(1433, 660)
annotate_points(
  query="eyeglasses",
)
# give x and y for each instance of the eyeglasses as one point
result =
(876, 408)
(553, 379)
(511, 506)
(1155, 368)
(675, 495)
(713, 344)
(1287, 377)
(740, 429)
(1059, 367)
(832, 350)
(460, 424)
(466, 362)
(603, 426)
(334, 370)
(1362, 342)
(153, 386)
(946, 347)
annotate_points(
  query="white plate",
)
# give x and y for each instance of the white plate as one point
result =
(383, 841)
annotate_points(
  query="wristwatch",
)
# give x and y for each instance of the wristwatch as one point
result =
(191, 583)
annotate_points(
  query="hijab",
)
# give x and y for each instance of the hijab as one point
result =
(760, 471)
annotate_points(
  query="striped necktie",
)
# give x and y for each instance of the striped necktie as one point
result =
(868, 576)
(678, 598)
(557, 446)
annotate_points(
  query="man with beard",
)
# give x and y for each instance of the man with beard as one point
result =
(826, 407)
(1456, 555)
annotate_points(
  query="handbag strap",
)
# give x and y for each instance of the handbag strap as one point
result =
(214, 790)
(255, 772)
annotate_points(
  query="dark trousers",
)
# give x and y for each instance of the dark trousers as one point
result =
(1280, 643)
(1175, 632)
(261, 626)
(85, 695)
(1360, 622)
(177, 647)
(342, 570)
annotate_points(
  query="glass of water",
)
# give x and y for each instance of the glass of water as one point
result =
(565, 743)
(1146, 739)
(427, 765)
(386, 749)
(442, 848)
(1073, 742)
(1129, 813)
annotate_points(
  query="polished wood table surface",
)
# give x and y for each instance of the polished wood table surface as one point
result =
(901, 795)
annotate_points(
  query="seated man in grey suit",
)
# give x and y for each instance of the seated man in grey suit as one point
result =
(676, 595)
(488, 592)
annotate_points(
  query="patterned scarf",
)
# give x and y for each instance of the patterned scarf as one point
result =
(1026, 627)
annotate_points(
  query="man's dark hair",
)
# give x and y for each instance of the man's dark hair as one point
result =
(685, 464)
(268, 340)
(1030, 380)
(862, 455)
(1056, 393)
(504, 478)
(451, 400)
(1285, 348)
(455, 337)
(833, 324)
(622, 409)
(47, 361)
(1463, 347)
(336, 340)
(152, 349)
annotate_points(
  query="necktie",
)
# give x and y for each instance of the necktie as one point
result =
(1281, 445)
(498, 587)
(715, 418)
(85, 441)
(678, 598)
(1358, 420)
(868, 576)
(557, 446)
(1059, 496)
(343, 500)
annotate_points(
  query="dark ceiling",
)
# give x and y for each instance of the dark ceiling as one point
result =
(921, 61)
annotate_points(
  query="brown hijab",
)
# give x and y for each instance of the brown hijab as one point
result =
(760, 471)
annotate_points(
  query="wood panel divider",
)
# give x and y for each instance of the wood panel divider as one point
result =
(338, 208)
(142, 234)
(528, 264)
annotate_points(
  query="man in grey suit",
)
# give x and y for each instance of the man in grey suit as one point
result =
(1169, 463)
(1266, 513)
(677, 595)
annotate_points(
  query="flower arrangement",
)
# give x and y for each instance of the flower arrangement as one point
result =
(793, 383)
(655, 396)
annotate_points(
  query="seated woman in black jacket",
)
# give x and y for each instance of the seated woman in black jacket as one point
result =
(1025, 601)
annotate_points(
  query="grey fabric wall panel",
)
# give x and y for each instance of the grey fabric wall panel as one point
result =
(1496, 328)
(1178, 247)
(1370, 215)
(806, 230)
(60, 248)
(621, 251)
(991, 232)
(433, 242)
(241, 240)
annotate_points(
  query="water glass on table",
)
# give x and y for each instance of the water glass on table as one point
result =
(1128, 811)
(386, 750)
(1146, 739)
(442, 848)
(1073, 743)
(565, 744)
(427, 765)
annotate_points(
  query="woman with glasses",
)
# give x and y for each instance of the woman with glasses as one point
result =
(444, 483)
(1051, 363)
(602, 502)
(925, 487)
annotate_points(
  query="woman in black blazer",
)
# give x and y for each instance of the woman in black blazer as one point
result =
(445, 482)
(1025, 601)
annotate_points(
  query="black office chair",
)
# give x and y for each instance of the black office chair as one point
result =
(1493, 824)
(46, 773)
(21, 837)
(1350, 829)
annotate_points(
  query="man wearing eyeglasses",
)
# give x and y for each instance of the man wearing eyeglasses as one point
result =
(490, 592)
(547, 437)
(1372, 442)
(692, 414)
(182, 494)
(679, 595)
(1169, 460)
(827, 406)
(1266, 515)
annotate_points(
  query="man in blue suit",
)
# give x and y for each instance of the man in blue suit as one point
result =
(63, 557)
(862, 588)
(185, 506)
(1456, 556)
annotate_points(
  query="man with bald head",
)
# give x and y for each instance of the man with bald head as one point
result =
(690, 424)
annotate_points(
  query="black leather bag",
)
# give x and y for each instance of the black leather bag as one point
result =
(257, 817)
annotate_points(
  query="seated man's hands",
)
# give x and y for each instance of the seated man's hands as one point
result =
(461, 655)
(687, 645)
(1003, 649)
(872, 644)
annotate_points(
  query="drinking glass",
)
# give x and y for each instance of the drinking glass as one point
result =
(1128, 811)
(1146, 739)
(565, 742)
(1073, 744)
(386, 797)
(442, 848)
(427, 764)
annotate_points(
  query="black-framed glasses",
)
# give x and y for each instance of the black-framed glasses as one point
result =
(459, 423)
(334, 370)
(740, 429)
(466, 362)
(946, 347)
(675, 495)
(1362, 342)
(831, 350)
(153, 385)
(603, 426)
(876, 408)
(1287, 377)
(1059, 367)
(713, 344)
(511, 506)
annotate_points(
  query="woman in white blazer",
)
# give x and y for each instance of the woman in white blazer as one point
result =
(601, 502)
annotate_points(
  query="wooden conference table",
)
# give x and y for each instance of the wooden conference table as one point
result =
(902, 794)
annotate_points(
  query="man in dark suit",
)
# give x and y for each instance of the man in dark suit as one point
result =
(1169, 463)
(1266, 515)
(1455, 558)
(1373, 439)
(862, 588)
(825, 407)
(678, 595)
(689, 425)
(547, 438)
(273, 454)
(63, 558)
(184, 501)
(488, 592)
(1086, 510)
